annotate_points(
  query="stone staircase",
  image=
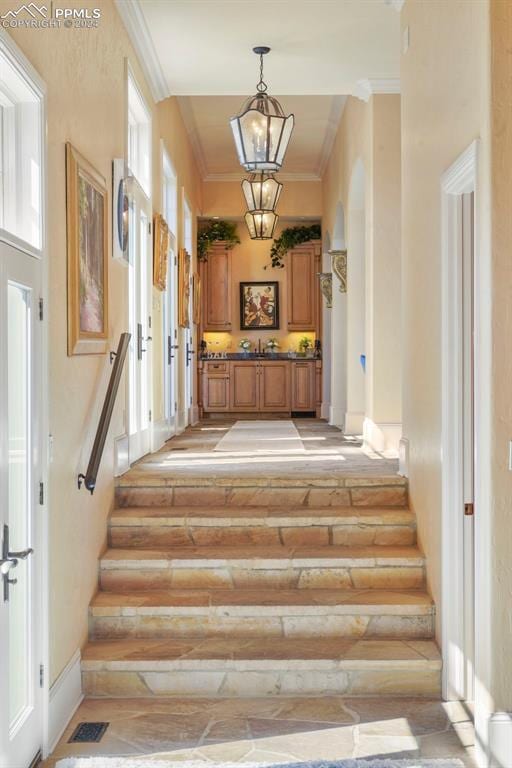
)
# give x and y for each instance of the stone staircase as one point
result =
(250, 588)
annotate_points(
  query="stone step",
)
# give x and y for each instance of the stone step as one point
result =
(162, 490)
(296, 613)
(234, 526)
(260, 667)
(256, 567)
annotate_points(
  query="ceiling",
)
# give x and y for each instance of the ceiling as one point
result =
(322, 50)
(316, 121)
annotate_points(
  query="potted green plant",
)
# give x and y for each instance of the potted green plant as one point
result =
(272, 346)
(305, 344)
(245, 345)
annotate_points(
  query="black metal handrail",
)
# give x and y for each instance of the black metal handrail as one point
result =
(89, 479)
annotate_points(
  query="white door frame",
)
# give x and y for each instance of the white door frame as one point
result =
(10, 47)
(462, 177)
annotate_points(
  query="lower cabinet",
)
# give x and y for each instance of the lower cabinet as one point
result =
(274, 386)
(244, 385)
(268, 386)
(303, 386)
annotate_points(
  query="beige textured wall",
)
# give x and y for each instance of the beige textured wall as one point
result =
(298, 198)
(370, 133)
(84, 71)
(501, 478)
(443, 111)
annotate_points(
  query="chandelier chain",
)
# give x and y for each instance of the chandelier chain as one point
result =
(262, 86)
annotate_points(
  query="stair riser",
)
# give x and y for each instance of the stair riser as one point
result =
(226, 577)
(307, 626)
(218, 496)
(422, 682)
(158, 536)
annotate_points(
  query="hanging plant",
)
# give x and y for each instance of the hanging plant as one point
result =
(288, 239)
(213, 231)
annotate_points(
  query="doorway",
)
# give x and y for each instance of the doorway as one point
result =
(460, 438)
(140, 275)
(23, 408)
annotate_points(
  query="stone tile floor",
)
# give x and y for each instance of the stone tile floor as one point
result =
(327, 451)
(274, 730)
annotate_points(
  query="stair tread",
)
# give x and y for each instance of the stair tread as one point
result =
(260, 597)
(384, 516)
(267, 552)
(261, 651)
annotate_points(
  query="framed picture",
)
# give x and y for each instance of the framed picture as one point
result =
(183, 288)
(160, 251)
(87, 256)
(259, 306)
(120, 212)
(196, 299)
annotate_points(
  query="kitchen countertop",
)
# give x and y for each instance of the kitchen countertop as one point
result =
(257, 356)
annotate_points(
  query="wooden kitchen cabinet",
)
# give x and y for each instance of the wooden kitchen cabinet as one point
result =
(302, 265)
(244, 377)
(215, 377)
(274, 385)
(216, 289)
(303, 386)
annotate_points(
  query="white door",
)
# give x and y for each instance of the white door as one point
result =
(20, 585)
(140, 285)
(171, 343)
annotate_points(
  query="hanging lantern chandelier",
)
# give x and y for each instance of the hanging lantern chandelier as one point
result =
(262, 192)
(261, 129)
(261, 224)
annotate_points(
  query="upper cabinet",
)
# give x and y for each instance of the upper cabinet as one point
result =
(216, 274)
(302, 266)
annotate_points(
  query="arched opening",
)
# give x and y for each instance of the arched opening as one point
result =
(357, 359)
(338, 331)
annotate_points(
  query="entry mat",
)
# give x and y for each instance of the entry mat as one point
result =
(262, 436)
(148, 762)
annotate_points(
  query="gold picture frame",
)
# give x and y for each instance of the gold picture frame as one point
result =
(183, 288)
(196, 299)
(161, 239)
(87, 256)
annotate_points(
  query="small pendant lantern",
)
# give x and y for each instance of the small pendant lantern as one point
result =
(262, 192)
(261, 129)
(261, 225)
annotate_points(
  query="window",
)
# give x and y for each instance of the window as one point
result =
(169, 194)
(139, 137)
(21, 112)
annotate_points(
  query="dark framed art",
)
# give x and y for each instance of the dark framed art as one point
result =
(259, 306)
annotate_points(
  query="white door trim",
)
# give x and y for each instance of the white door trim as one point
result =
(24, 64)
(460, 178)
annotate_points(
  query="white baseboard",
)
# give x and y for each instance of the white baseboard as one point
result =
(65, 698)
(500, 740)
(384, 438)
(160, 434)
(336, 417)
(121, 455)
(194, 414)
(403, 457)
(325, 411)
(354, 423)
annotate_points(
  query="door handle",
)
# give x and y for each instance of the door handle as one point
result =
(190, 352)
(10, 560)
(170, 347)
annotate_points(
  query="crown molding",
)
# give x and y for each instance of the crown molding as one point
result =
(337, 107)
(189, 120)
(135, 23)
(367, 87)
(240, 176)
(396, 4)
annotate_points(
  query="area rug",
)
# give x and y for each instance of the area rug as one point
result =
(146, 762)
(265, 436)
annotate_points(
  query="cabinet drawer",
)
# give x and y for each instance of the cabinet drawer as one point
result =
(220, 367)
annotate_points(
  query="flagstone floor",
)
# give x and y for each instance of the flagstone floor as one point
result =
(274, 730)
